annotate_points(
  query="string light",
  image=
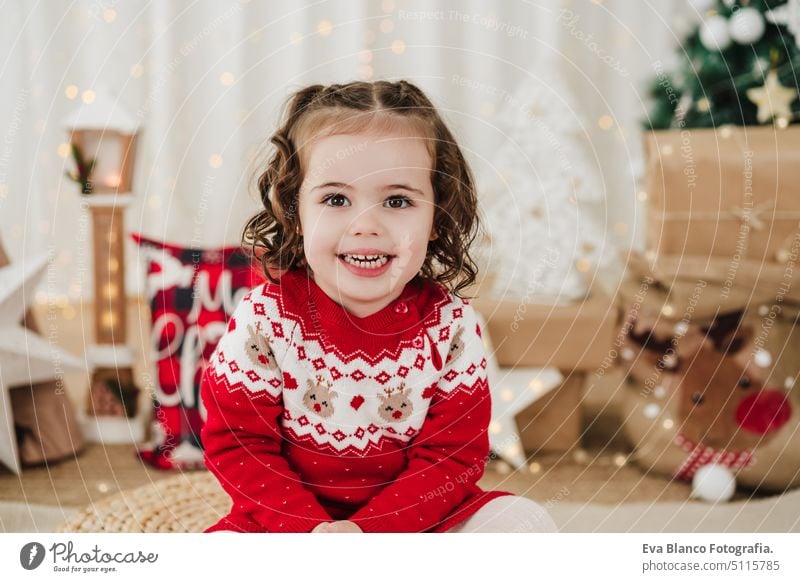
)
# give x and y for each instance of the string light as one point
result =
(580, 456)
(68, 312)
(113, 180)
(652, 410)
(535, 385)
(111, 291)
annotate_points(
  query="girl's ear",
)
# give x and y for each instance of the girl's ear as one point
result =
(434, 234)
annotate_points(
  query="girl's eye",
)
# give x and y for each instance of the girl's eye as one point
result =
(338, 199)
(400, 199)
(334, 199)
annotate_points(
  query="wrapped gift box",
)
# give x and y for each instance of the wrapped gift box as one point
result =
(575, 336)
(726, 192)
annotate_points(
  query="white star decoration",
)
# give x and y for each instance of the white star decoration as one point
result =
(513, 390)
(25, 358)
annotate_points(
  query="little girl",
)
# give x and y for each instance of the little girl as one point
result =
(350, 394)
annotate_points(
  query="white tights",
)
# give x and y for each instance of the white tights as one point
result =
(508, 514)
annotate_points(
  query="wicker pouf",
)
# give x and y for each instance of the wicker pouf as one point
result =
(189, 502)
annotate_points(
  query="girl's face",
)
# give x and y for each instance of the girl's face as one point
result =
(366, 215)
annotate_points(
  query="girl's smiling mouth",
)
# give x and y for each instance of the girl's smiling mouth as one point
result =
(370, 265)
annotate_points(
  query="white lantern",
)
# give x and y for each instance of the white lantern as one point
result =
(105, 132)
(103, 138)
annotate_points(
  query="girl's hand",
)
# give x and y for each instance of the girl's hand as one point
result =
(337, 527)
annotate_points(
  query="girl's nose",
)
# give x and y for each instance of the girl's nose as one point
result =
(367, 222)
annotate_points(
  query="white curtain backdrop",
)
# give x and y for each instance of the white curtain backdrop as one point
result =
(206, 80)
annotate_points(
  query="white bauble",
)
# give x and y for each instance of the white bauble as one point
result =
(714, 33)
(713, 483)
(702, 6)
(746, 26)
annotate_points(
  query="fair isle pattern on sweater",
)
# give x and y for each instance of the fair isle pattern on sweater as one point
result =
(348, 399)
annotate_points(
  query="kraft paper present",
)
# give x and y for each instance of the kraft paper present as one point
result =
(576, 336)
(672, 289)
(725, 192)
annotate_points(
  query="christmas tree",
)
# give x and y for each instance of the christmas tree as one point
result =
(736, 67)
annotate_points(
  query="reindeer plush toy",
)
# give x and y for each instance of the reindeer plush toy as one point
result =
(709, 386)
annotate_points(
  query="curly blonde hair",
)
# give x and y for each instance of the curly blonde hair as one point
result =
(273, 234)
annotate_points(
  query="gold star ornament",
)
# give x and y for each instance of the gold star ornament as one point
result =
(773, 99)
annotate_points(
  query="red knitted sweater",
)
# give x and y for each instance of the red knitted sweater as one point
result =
(316, 415)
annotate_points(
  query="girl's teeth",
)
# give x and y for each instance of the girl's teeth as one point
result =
(363, 261)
